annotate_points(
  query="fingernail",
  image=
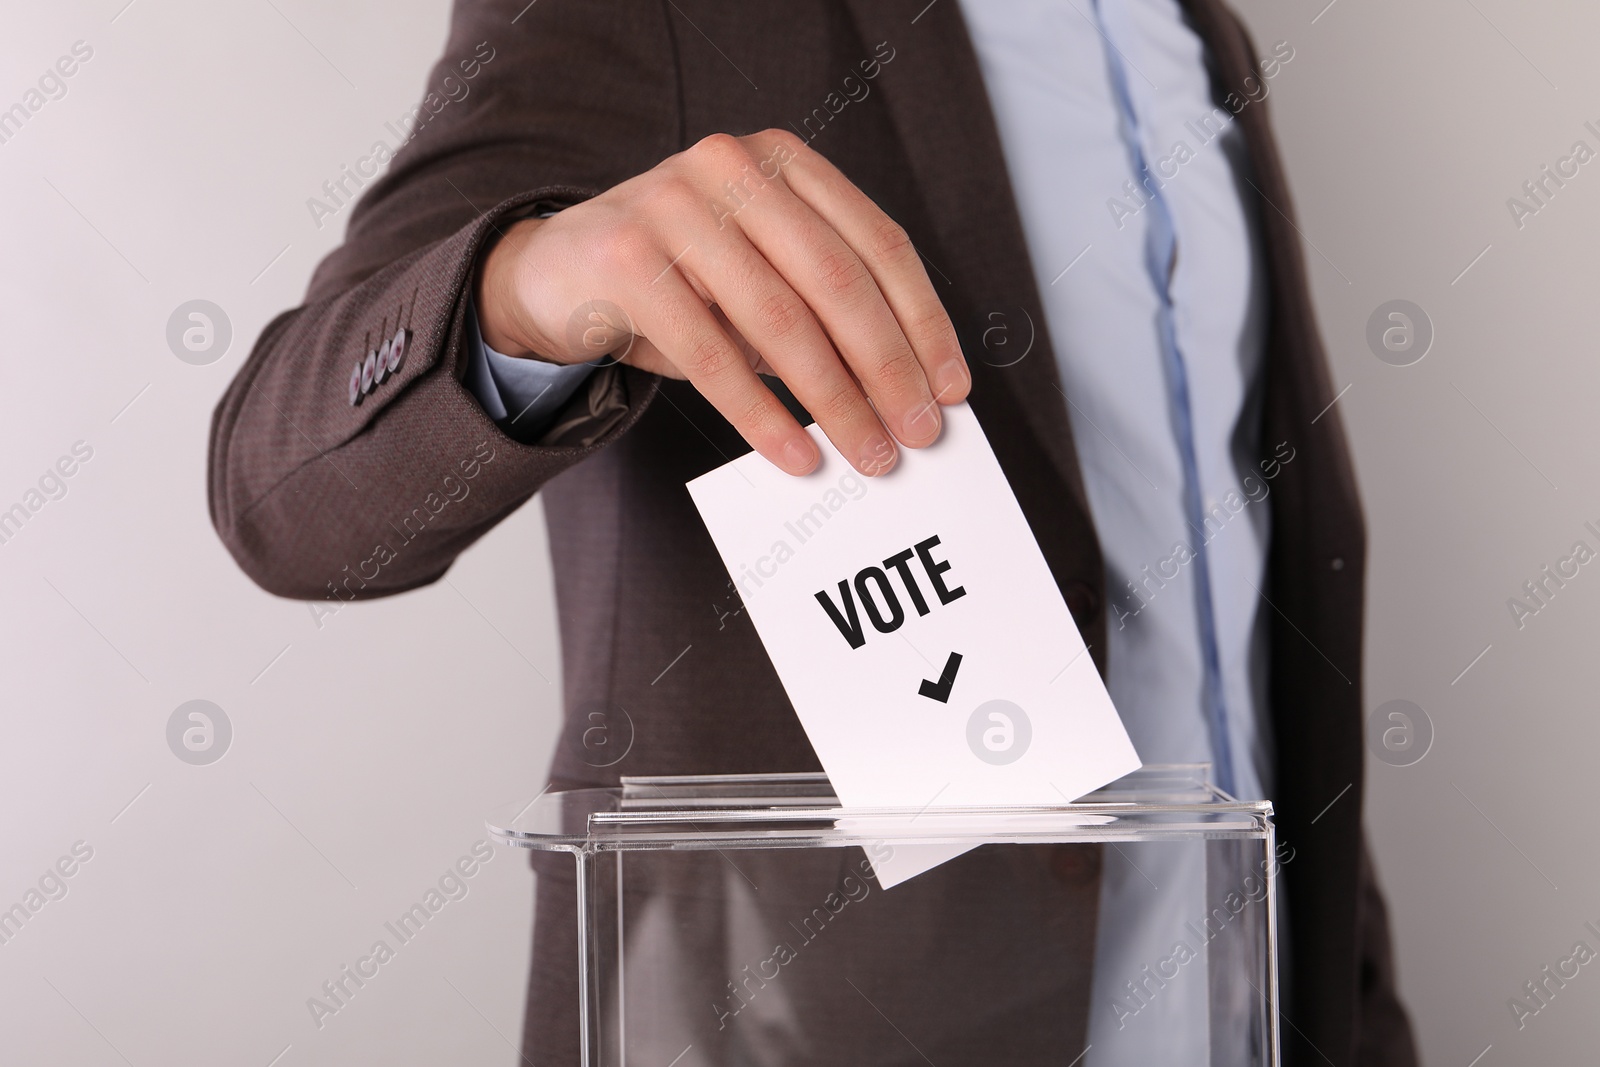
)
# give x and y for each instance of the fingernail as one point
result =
(800, 453)
(877, 455)
(922, 423)
(951, 380)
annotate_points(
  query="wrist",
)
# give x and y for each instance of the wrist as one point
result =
(504, 276)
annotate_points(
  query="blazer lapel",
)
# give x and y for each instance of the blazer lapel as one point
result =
(973, 240)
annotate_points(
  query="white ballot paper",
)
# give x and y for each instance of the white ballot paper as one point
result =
(917, 630)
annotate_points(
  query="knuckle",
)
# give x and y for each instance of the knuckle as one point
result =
(933, 327)
(784, 138)
(839, 404)
(706, 357)
(669, 197)
(784, 146)
(889, 242)
(720, 151)
(780, 315)
(628, 250)
(843, 275)
(753, 414)
(896, 371)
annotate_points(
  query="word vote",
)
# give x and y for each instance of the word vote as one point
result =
(875, 592)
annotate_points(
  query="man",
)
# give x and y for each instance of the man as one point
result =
(760, 212)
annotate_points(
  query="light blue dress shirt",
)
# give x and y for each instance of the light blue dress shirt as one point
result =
(1128, 174)
(520, 394)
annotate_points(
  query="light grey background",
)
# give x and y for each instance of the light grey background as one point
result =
(367, 749)
(1406, 127)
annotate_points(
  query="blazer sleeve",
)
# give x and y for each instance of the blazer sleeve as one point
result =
(316, 496)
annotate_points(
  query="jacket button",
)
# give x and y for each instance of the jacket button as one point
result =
(397, 349)
(380, 369)
(1082, 601)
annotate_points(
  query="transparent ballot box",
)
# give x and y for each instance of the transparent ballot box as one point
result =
(744, 921)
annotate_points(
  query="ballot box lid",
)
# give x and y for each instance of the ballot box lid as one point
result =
(761, 811)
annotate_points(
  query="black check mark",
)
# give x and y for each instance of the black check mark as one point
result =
(940, 690)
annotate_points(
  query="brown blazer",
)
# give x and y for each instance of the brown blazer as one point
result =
(316, 497)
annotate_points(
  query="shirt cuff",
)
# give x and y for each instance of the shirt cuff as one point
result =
(522, 395)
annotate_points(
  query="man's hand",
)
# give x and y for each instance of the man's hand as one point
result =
(742, 254)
